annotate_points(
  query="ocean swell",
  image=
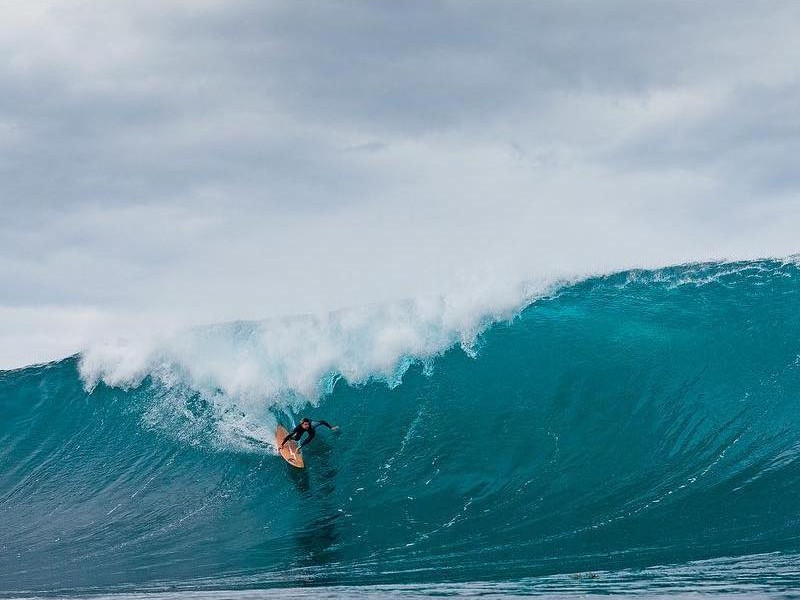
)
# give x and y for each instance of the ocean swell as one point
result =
(615, 423)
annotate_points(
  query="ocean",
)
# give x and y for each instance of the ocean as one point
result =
(636, 433)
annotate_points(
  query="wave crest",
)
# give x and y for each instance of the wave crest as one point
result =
(302, 357)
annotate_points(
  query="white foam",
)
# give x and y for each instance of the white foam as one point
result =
(277, 362)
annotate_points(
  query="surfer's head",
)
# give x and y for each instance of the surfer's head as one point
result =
(305, 423)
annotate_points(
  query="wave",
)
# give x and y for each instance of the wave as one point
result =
(642, 418)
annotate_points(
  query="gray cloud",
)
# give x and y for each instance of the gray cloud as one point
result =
(240, 159)
(750, 139)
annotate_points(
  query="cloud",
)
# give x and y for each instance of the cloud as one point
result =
(217, 160)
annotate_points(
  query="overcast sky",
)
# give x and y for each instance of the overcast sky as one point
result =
(191, 162)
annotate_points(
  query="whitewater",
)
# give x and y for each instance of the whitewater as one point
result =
(633, 433)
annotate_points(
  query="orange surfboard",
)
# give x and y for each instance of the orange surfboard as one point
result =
(290, 452)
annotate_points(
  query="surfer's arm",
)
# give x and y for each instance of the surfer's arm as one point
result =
(328, 425)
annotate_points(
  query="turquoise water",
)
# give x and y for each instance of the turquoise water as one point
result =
(636, 433)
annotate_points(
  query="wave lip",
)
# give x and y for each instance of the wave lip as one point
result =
(302, 356)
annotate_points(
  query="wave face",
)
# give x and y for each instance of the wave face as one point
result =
(638, 419)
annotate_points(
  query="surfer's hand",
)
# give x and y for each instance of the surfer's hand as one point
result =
(335, 428)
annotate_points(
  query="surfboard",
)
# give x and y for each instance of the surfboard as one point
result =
(290, 452)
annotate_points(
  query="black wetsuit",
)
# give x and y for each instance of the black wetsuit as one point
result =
(298, 432)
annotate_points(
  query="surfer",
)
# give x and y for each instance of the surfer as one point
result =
(308, 427)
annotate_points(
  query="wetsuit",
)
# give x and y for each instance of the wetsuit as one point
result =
(298, 432)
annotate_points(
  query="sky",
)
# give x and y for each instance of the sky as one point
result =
(165, 164)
